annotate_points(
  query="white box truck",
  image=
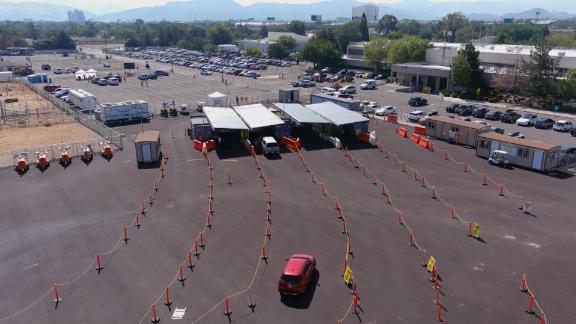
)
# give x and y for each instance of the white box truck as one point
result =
(123, 112)
(82, 99)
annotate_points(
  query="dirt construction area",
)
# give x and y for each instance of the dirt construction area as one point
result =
(29, 121)
(108, 242)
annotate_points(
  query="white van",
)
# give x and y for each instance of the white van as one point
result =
(329, 91)
(270, 146)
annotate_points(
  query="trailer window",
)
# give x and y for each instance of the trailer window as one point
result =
(522, 152)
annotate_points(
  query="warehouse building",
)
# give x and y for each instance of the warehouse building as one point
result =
(455, 131)
(524, 153)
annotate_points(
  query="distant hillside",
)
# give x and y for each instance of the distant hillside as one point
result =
(35, 11)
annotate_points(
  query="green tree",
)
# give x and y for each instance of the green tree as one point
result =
(63, 41)
(277, 51)
(452, 23)
(407, 49)
(461, 71)
(376, 51)
(562, 39)
(387, 24)
(364, 28)
(253, 52)
(347, 33)
(409, 27)
(472, 55)
(321, 53)
(568, 85)
(539, 71)
(288, 42)
(89, 29)
(219, 34)
(297, 27)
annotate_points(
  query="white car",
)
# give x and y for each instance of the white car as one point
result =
(388, 110)
(368, 85)
(113, 81)
(329, 91)
(526, 120)
(270, 146)
(349, 89)
(562, 126)
(415, 116)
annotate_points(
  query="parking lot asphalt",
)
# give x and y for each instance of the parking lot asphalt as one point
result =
(57, 221)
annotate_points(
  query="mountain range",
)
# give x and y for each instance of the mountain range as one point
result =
(229, 9)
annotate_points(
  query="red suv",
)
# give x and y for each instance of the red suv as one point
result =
(297, 274)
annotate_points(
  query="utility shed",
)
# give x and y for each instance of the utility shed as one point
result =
(257, 116)
(148, 148)
(347, 121)
(299, 114)
(525, 153)
(455, 130)
(223, 119)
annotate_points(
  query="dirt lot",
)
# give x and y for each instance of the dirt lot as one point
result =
(59, 232)
(33, 122)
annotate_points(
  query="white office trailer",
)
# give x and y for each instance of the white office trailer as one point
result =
(6, 76)
(123, 112)
(82, 99)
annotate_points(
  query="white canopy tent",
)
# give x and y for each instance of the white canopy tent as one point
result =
(81, 74)
(217, 99)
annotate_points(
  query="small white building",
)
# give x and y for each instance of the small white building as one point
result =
(227, 48)
(262, 44)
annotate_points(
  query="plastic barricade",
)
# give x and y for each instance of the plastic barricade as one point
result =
(290, 143)
(198, 145)
(210, 145)
(415, 138)
(420, 130)
(251, 150)
(392, 118)
(364, 137)
(424, 143)
(403, 132)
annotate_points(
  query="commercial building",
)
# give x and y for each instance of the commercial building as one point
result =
(524, 153)
(370, 11)
(76, 16)
(19, 69)
(455, 130)
(262, 44)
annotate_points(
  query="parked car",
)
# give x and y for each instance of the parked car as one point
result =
(387, 110)
(465, 110)
(543, 123)
(451, 108)
(46, 67)
(57, 71)
(106, 65)
(509, 117)
(415, 116)
(562, 126)
(161, 73)
(526, 120)
(573, 131)
(113, 81)
(493, 115)
(417, 102)
(143, 77)
(307, 84)
(102, 82)
(516, 134)
(205, 72)
(269, 145)
(368, 85)
(480, 112)
(424, 120)
(348, 89)
(297, 274)
(497, 130)
(328, 91)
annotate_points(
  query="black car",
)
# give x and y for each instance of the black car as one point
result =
(464, 110)
(451, 108)
(573, 131)
(161, 73)
(480, 112)
(509, 117)
(143, 77)
(493, 115)
(543, 123)
(417, 102)
(152, 76)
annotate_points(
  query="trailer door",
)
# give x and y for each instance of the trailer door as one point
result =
(537, 160)
(146, 153)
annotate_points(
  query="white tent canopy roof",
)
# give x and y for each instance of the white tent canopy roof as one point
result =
(337, 115)
(80, 71)
(216, 94)
(257, 116)
(91, 71)
(301, 114)
(224, 118)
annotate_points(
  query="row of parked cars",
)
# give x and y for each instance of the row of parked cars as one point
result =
(510, 116)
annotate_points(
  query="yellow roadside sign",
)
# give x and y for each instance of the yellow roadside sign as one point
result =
(347, 275)
(476, 230)
(431, 264)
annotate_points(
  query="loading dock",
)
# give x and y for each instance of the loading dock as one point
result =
(148, 148)
(524, 153)
(455, 130)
